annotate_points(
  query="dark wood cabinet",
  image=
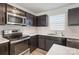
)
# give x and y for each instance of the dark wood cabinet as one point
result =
(14, 10)
(31, 19)
(4, 49)
(42, 20)
(36, 20)
(49, 43)
(2, 13)
(73, 17)
(41, 42)
(33, 43)
(45, 42)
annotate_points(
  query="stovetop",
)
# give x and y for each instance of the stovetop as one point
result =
(17, 38)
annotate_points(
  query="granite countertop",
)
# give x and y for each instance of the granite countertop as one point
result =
(62, 50)
(3, 40)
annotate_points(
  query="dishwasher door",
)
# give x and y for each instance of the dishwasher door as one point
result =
(74, 43)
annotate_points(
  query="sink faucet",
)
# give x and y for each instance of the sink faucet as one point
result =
(62, 34)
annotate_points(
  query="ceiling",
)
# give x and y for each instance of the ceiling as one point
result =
(41, 7)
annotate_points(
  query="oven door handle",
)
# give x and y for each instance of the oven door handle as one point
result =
(20, 40)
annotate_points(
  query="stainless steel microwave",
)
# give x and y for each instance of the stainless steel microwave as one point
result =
(15, 19)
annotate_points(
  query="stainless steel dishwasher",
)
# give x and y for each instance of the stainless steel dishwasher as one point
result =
(74, 43)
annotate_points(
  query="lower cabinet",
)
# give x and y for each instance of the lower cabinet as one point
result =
(49, 43)
(45, 42)
(33, 43)
(4, 49)
(41, 42)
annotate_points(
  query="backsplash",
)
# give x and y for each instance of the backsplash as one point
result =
(69, 31)
(24, 29)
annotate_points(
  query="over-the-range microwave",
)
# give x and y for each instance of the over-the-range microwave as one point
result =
(16, 19)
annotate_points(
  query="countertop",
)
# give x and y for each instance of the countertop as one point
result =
(3, 40)
(69, 37)
(62, 50)
(65, 36)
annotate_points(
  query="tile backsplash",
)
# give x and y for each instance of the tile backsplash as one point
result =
(24, 29)
(72, 30)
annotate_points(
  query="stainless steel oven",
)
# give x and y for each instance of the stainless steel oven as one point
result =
(19, 47)
(15, 19)
(18, 44)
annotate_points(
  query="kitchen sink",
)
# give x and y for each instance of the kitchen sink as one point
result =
(52, 34)
(55, 34)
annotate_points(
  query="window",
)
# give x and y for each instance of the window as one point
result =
(57, 22)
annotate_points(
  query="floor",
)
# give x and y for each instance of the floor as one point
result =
(39, 52)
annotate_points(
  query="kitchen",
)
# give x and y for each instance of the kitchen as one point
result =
(24, 32)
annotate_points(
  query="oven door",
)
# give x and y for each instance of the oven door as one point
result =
(19, 47)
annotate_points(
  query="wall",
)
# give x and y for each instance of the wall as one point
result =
(69, 30)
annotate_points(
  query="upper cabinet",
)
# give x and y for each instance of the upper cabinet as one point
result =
(14, 10)
(73, 17)
(42, 20)
(31, 19)
(2, 13)
(36, 21)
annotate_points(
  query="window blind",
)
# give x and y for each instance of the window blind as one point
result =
(57, 22)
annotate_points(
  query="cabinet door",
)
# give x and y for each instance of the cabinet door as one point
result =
(49, 43)
(73, 16)
(41, 42)
(34, 21)
(42, 20)
(4, 49)
(33, 43)
(30, 19)
(14, 10)
(2, 13)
